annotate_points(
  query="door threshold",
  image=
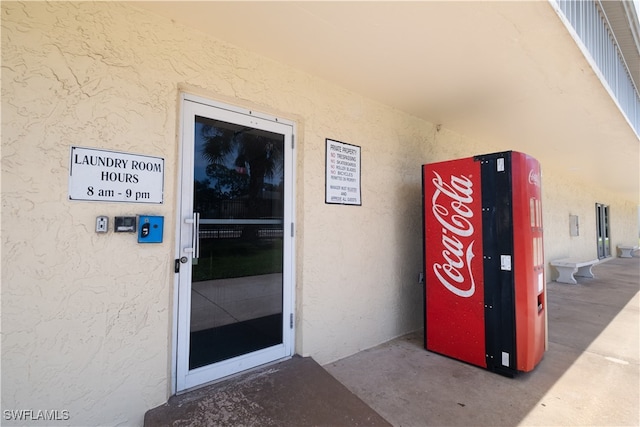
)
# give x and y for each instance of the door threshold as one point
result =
(232, 376)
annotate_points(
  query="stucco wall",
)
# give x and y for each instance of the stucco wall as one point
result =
(562, 197)
(87, 318)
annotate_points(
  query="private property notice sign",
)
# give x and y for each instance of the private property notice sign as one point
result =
(342, 174)
(111, 176)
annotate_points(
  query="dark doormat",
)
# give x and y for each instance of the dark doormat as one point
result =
(297, 392)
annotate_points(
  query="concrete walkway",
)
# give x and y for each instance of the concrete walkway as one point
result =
(589, 375)
(296, 393)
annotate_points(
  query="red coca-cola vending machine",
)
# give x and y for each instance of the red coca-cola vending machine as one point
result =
(485, 293)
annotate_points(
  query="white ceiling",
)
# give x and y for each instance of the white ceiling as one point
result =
(505, 72)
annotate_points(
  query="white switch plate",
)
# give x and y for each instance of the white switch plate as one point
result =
(102, 224)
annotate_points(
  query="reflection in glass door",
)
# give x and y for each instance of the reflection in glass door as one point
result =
(237, 272)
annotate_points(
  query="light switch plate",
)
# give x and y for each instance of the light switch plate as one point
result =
(102, 224)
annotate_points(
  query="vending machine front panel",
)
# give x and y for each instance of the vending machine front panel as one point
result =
(454, 288)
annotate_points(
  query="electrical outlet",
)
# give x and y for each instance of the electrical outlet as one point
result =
(102, 224)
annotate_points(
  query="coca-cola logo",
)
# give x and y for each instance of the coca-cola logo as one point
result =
(534, 178)
(454, 214)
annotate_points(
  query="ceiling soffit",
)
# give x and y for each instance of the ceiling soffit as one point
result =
(508, 73)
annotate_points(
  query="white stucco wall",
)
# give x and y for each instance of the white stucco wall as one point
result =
(84, 316)
(563, 197)
(87, 318)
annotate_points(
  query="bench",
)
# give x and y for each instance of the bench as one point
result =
(627, 251)
(570, 267)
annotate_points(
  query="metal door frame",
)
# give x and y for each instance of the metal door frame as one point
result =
(183, 379)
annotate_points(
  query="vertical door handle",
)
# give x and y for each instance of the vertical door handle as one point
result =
(195, 235)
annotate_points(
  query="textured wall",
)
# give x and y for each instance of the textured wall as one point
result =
(87, 318)
(563, 197)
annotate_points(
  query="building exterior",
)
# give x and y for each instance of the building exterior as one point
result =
(97, 328)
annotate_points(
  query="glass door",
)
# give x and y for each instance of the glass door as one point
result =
(235, 291)
(602, 230)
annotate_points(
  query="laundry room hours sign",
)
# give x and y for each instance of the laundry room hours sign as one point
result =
(111, 176)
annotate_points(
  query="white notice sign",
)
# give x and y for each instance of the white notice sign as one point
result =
(342, 173)
(110, 176)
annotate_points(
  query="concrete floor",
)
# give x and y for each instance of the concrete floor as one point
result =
(589, 375)
(296, 393)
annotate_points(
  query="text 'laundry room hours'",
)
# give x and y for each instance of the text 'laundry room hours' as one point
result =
(110, 176)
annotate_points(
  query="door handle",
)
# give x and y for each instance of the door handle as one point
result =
(195, 235)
